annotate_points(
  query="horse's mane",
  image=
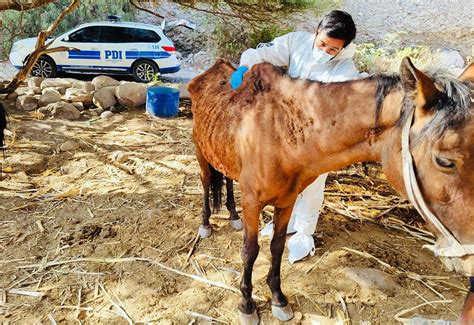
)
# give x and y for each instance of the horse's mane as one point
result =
(451, 111)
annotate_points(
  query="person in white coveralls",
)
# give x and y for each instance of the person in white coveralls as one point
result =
(325, 56)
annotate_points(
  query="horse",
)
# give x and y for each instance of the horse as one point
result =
(275, 135)
(3, 124)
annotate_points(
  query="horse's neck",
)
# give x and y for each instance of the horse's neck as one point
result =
(344, 115)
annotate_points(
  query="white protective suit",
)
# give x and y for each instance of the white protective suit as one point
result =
(294, 50)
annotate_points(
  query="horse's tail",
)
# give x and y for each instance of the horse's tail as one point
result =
(3, 125)
(217, 180)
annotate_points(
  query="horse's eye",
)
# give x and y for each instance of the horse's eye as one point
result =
(445, 163)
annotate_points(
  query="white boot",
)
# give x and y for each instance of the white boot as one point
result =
(306, 214)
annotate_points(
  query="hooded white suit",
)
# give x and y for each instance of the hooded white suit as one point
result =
(295, 51)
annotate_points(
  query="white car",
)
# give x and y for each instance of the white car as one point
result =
(111, 47)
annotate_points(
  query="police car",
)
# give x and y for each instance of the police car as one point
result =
(111, 47)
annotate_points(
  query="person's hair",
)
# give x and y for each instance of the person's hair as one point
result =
(338, 24)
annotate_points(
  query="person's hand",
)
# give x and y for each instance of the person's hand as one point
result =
(237, 77)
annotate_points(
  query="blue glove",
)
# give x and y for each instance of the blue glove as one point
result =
(237, 77)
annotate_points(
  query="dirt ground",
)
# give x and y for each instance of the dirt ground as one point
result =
(86, 239)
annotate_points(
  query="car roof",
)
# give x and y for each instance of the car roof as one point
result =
(122, 24)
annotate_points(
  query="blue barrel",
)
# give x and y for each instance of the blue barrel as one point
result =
(162, 101)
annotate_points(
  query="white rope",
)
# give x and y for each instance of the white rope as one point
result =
(416, 198)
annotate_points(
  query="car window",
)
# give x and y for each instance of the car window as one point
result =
(146, 36)
(111, 34)
(86, 35)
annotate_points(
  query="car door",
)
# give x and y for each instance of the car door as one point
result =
(114, 42)
(87, 56)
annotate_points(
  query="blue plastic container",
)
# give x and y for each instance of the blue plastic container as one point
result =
(162, 101)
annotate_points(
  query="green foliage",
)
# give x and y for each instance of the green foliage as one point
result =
(40, 18)
(372, 58)
(231, 41)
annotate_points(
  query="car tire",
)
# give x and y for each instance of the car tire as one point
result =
(45, 67)
(144, 70)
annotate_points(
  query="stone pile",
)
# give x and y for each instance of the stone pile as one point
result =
(68, 98)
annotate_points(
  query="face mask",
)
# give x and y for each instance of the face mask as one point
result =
(321, 56)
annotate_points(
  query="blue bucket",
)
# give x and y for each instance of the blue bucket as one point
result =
(162, 101)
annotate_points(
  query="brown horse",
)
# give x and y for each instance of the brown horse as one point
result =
(275, 135)
(3, 124)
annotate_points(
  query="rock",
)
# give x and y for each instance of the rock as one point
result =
(56, 82)
(23, 91)
(27, 161)
(448, 59)
(27, 103)
(183, 91)
(12, 96)
(106, 115)
(131, 94)
(62, 110)
(372, 279)
(49, 97)
(100, 82)
(78, 105)
(105, 97)
(34, 82)
(119, 156)
(86, 86)
(78, 95)
(62, 90)
(48, 89)
(69, 146)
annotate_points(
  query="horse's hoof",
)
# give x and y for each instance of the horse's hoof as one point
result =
(282, 313)
(249, 319)
(204, 232)
(236, 224)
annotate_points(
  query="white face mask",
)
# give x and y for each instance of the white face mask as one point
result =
(321, 56)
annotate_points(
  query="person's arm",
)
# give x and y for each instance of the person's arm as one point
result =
(276, 53)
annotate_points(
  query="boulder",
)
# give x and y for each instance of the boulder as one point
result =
(62, 110)
(78, 95)
(27, 102)
(100, 82)
(106, 115)
(49, 97)
(86, 86)
(34, 82)
(105, 97)
(78, 105)
(56, 82)
(448, 59)
(23, 91)
(12, 96)
(131, 94)
(183, 91)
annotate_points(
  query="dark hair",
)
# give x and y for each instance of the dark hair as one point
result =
(338, 24)
(3, 124)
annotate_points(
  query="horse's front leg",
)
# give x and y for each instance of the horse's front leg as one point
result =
(467, 316)
(280, 307)
(234, 218)
(205, 228)
(247, 306)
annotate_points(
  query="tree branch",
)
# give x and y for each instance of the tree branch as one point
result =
(40, 49)
(19, 5)
(146, 10)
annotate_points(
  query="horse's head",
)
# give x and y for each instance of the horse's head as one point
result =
(3, 123)
(442, 147)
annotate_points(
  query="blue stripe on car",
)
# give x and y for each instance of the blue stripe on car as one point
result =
(130, 55)
(92, 55)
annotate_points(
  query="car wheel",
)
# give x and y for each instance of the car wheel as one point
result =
(44, 67)
(145, 70)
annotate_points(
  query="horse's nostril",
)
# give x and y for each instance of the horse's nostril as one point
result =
(222, 82)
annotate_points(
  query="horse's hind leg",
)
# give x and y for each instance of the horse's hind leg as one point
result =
(280, 307)
(234, 218)
(206, 173)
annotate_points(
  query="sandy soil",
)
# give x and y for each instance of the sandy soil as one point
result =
(85, 238)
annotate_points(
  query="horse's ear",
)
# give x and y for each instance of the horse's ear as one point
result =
(468, 74)
(422, 86)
